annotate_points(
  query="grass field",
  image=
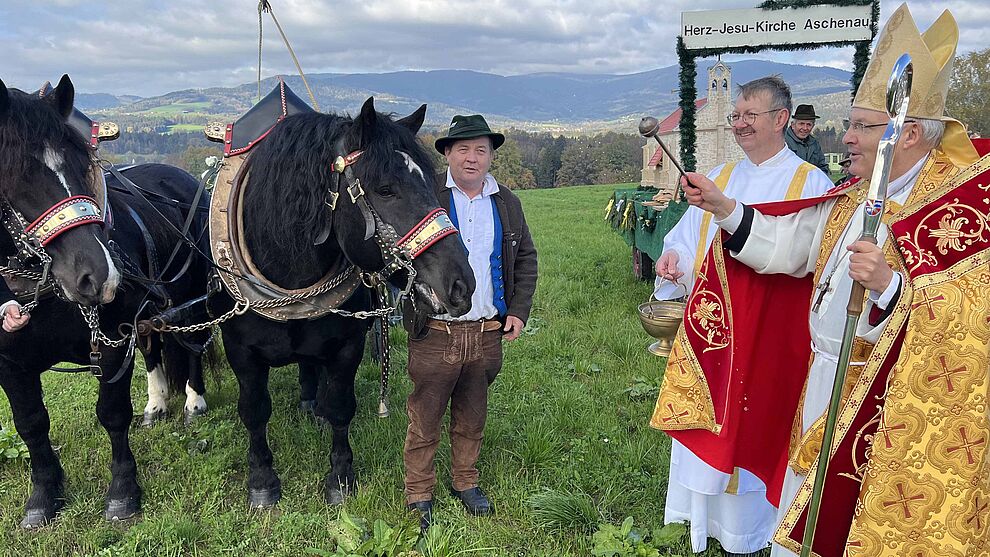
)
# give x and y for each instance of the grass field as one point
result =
(567, 444)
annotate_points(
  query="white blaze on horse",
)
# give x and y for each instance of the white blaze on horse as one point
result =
(54, 206)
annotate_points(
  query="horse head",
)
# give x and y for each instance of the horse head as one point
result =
(397, 177)
(48, 177)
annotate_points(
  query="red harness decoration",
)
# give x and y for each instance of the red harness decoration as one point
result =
(429, 231)
(64, 215)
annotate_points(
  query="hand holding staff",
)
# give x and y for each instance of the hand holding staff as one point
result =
(898, 98)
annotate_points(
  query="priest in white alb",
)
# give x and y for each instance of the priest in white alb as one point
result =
(732, 508)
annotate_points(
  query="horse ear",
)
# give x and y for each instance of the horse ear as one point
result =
(4, 100)
(365, 123)
(414, 121)
(63, 96)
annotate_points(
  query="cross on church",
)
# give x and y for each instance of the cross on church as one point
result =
(977, 514)
(946, 373)
(673, 416)
(967, 445)
(903, 500)
(884, 429)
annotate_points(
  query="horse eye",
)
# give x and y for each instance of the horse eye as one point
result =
(386, 191)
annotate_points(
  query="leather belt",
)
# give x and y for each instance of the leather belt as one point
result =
(482, 325)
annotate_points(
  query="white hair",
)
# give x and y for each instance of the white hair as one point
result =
(931, 131)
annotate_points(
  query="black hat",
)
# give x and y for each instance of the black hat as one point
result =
(468, 127)
(805, 112)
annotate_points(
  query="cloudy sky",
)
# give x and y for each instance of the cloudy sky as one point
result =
(148, 47)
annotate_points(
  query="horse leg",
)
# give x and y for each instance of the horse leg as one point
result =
(254, 405)
(337, 404)
(157, 408)
(114, 410)
(195, 386)
(158, 391)
(31, 420)
(309, 378)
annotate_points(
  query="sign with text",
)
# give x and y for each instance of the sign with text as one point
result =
(758, 27)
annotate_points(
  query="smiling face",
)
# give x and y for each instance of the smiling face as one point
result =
(802, 128)
(763, 137)
(470, 161)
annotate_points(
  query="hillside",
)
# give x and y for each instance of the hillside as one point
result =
(558, 102)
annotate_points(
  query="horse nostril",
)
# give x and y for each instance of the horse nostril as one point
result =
(87, 287)
(458, 292)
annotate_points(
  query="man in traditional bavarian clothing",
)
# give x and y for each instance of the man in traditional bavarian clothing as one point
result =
(908, 469)
(800, 140)
(740, 518)
(455, 359)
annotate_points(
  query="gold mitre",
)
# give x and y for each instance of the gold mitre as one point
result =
(932, 56)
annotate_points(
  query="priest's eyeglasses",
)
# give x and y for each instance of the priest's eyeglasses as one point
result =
(748, 118)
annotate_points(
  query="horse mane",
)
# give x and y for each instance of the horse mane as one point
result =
(290, 171)
(27, 127)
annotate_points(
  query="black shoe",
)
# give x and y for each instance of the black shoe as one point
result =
(475, 501)
(425, 509)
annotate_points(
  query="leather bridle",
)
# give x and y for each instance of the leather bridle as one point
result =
(396, 251)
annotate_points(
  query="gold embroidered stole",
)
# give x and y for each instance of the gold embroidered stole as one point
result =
(721, 181)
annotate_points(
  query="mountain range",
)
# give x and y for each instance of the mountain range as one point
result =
(541, 101)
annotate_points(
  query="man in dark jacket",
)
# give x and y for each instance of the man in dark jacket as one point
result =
(799, 139)
(455, 359)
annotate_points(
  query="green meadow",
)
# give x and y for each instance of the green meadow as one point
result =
(567, 448)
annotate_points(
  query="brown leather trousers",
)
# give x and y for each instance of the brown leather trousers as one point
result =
(455, 367)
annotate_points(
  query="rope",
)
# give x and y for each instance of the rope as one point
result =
(261, 7)
(265, 6)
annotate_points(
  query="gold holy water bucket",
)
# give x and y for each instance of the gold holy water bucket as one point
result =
(661, 319)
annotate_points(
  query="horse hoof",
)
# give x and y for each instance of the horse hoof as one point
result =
(307, 406)
(122, 509)
(36, 518)
(189, 416)
(337, 494)
(264, 498)
(152, 418)
(335, 497)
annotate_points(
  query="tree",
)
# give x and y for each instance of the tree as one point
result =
(577, 165)
(508, 167)
(969, 89)
(193, 158)
(830, 140)
(548, 162)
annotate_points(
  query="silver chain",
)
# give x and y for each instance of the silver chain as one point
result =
(92, 317)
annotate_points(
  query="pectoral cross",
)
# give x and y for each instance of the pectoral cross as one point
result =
(822, 289)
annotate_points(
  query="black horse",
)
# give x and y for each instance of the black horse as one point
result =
(295, 239)
(42, 161)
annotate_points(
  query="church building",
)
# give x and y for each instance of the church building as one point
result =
(714, 143)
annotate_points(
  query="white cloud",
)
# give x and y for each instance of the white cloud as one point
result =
(153, 46)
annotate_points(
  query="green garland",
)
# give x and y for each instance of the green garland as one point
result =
(688, 71)
(688, 77)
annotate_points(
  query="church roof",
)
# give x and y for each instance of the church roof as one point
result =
(671, 123)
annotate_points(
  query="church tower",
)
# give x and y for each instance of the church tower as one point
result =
(721, 102)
